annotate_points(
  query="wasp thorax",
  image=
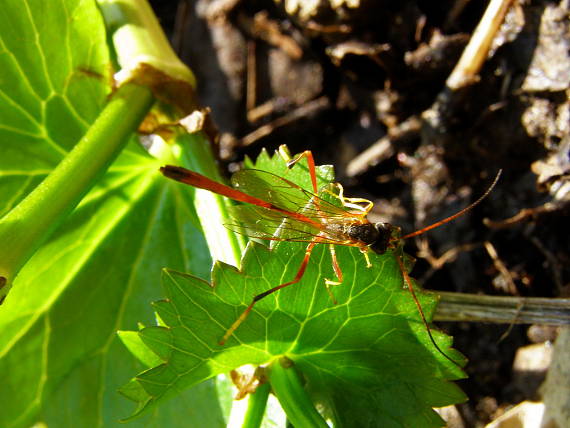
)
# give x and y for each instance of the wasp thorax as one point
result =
(384, 232)
(366, 233)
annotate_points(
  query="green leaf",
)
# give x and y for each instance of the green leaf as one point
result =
(60, 358)
(368, 359)
(134, 343)
(46, 83)
(299, 174)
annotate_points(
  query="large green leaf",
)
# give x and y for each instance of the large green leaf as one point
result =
(54, 82)
(60, 359)
(367, 359)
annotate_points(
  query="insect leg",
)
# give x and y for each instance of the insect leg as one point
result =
(310, 162)
(337, 271)
(408, 282)
(364, 251)
(352, 202)
(257, 298)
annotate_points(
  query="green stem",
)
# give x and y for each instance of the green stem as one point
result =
(256, 407)
(288, 389)
(26, 226)
(145, 55)
(138, 39)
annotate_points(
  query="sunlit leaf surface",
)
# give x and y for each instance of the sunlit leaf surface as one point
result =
(60, 359)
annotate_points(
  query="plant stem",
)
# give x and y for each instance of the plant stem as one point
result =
(294, 399)
(29, 224)
(256, 407)
(145, 55)
(502, 309)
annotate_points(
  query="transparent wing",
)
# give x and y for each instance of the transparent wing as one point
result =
(262, 223)
(286, 195)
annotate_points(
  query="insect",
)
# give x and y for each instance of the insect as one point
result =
(280, 210)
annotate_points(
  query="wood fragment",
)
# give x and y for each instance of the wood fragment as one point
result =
(502, 309)
(309, 108)
(475, 54)
(384, 148)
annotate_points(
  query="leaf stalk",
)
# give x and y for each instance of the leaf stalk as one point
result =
(31, 222)
(256, 407)
(289, 390)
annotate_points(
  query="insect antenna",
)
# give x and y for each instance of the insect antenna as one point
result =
(457, 214)
(407, 278)
(408, 282)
